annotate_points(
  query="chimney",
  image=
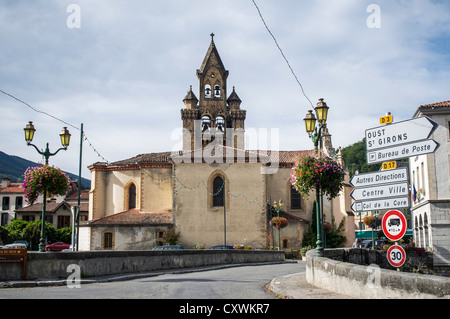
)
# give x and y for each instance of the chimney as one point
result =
(6, 182)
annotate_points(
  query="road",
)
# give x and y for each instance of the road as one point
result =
(244, 282)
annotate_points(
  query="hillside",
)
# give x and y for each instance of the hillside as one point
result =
(13, 167)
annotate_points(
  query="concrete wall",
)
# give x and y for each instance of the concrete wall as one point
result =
(53, 265)
(371, 281)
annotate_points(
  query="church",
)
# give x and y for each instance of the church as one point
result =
(213, 191)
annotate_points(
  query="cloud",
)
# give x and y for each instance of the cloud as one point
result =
(124, 73)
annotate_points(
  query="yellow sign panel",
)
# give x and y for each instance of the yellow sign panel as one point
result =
(386, 119)
(389, 165)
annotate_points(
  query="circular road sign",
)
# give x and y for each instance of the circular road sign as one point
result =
(396, 256)
(394, 225)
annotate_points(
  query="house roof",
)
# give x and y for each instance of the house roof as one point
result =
(436, 105)
(12, 188)
(133, 217)
(50, 207)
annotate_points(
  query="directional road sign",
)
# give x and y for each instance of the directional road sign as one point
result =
(382, 191)
(399, 133)
(402, 151)
(396, 255)
(381, 204)
(378, 178)
(394, 225)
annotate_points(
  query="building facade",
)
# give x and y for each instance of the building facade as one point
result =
(213, 191)
(430, 185)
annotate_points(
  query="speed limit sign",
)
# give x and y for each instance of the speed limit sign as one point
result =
(396, 256)
(394, 225)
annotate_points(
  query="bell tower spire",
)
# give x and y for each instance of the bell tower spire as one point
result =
(219, 116)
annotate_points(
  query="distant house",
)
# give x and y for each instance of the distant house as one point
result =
(11, 197)
(430, 185)
(58, 209)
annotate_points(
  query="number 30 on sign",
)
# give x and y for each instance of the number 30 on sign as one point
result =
(396, 256)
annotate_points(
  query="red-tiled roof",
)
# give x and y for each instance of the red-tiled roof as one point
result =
(12, 188)
(436, 105)
(134, 217)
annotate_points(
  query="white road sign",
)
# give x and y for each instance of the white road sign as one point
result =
(396, 255)
(381, 204)
(382, 191)
(378, 178)
(399, 133)
(402, 151)
(394, 225)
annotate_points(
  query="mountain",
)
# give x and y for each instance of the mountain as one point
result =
(13, 167)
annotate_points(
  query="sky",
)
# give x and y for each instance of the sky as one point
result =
(122, 68)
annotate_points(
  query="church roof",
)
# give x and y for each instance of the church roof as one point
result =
(190, 96)
(133, 217)
(212, 51)
(233, 96)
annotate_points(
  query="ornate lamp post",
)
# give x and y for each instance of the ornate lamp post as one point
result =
(316, 136)
(65, 140)
(278, 209)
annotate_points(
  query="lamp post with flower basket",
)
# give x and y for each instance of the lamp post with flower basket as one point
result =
(278, 221)
(40, 180)
(320, 173)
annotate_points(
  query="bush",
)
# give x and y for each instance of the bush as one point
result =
(170, 236)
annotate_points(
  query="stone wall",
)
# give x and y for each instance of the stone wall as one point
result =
(362, 281)
(53, 265)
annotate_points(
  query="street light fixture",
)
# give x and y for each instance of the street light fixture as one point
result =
(316, 136)
(65, 140)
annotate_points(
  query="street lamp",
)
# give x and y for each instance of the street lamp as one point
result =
(278, 209)
(316, 136)
(65, 140)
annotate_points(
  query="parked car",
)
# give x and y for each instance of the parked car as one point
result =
(68, 249)
(58, 246)
(221, 247)
(18, 245)
(368, 243)
(166, 247)
(26, 243)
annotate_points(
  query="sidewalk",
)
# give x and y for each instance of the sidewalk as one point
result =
(295, 286)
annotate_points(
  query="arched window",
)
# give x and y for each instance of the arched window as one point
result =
(220, 123)
(218, 192)
(132, 196)
(208, 91)
(296, 200)
(216, 90)
(206, 123)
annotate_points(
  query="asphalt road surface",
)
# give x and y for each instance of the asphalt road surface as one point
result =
(244, 282)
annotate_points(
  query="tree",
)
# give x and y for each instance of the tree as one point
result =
(355, 158)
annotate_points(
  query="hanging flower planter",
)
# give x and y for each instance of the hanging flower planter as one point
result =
(372, 221)
(53, 179)
(312, 172)
(279, 222)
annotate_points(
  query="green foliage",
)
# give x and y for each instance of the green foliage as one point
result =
(170, 236)
(355, 158)
(333, 235)
(20, 229)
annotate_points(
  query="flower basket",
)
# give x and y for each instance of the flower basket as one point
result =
(372, 221)
(279, 222)
(37, 178)
(312, 172)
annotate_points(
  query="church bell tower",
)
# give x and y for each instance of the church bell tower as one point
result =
(213, 118)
